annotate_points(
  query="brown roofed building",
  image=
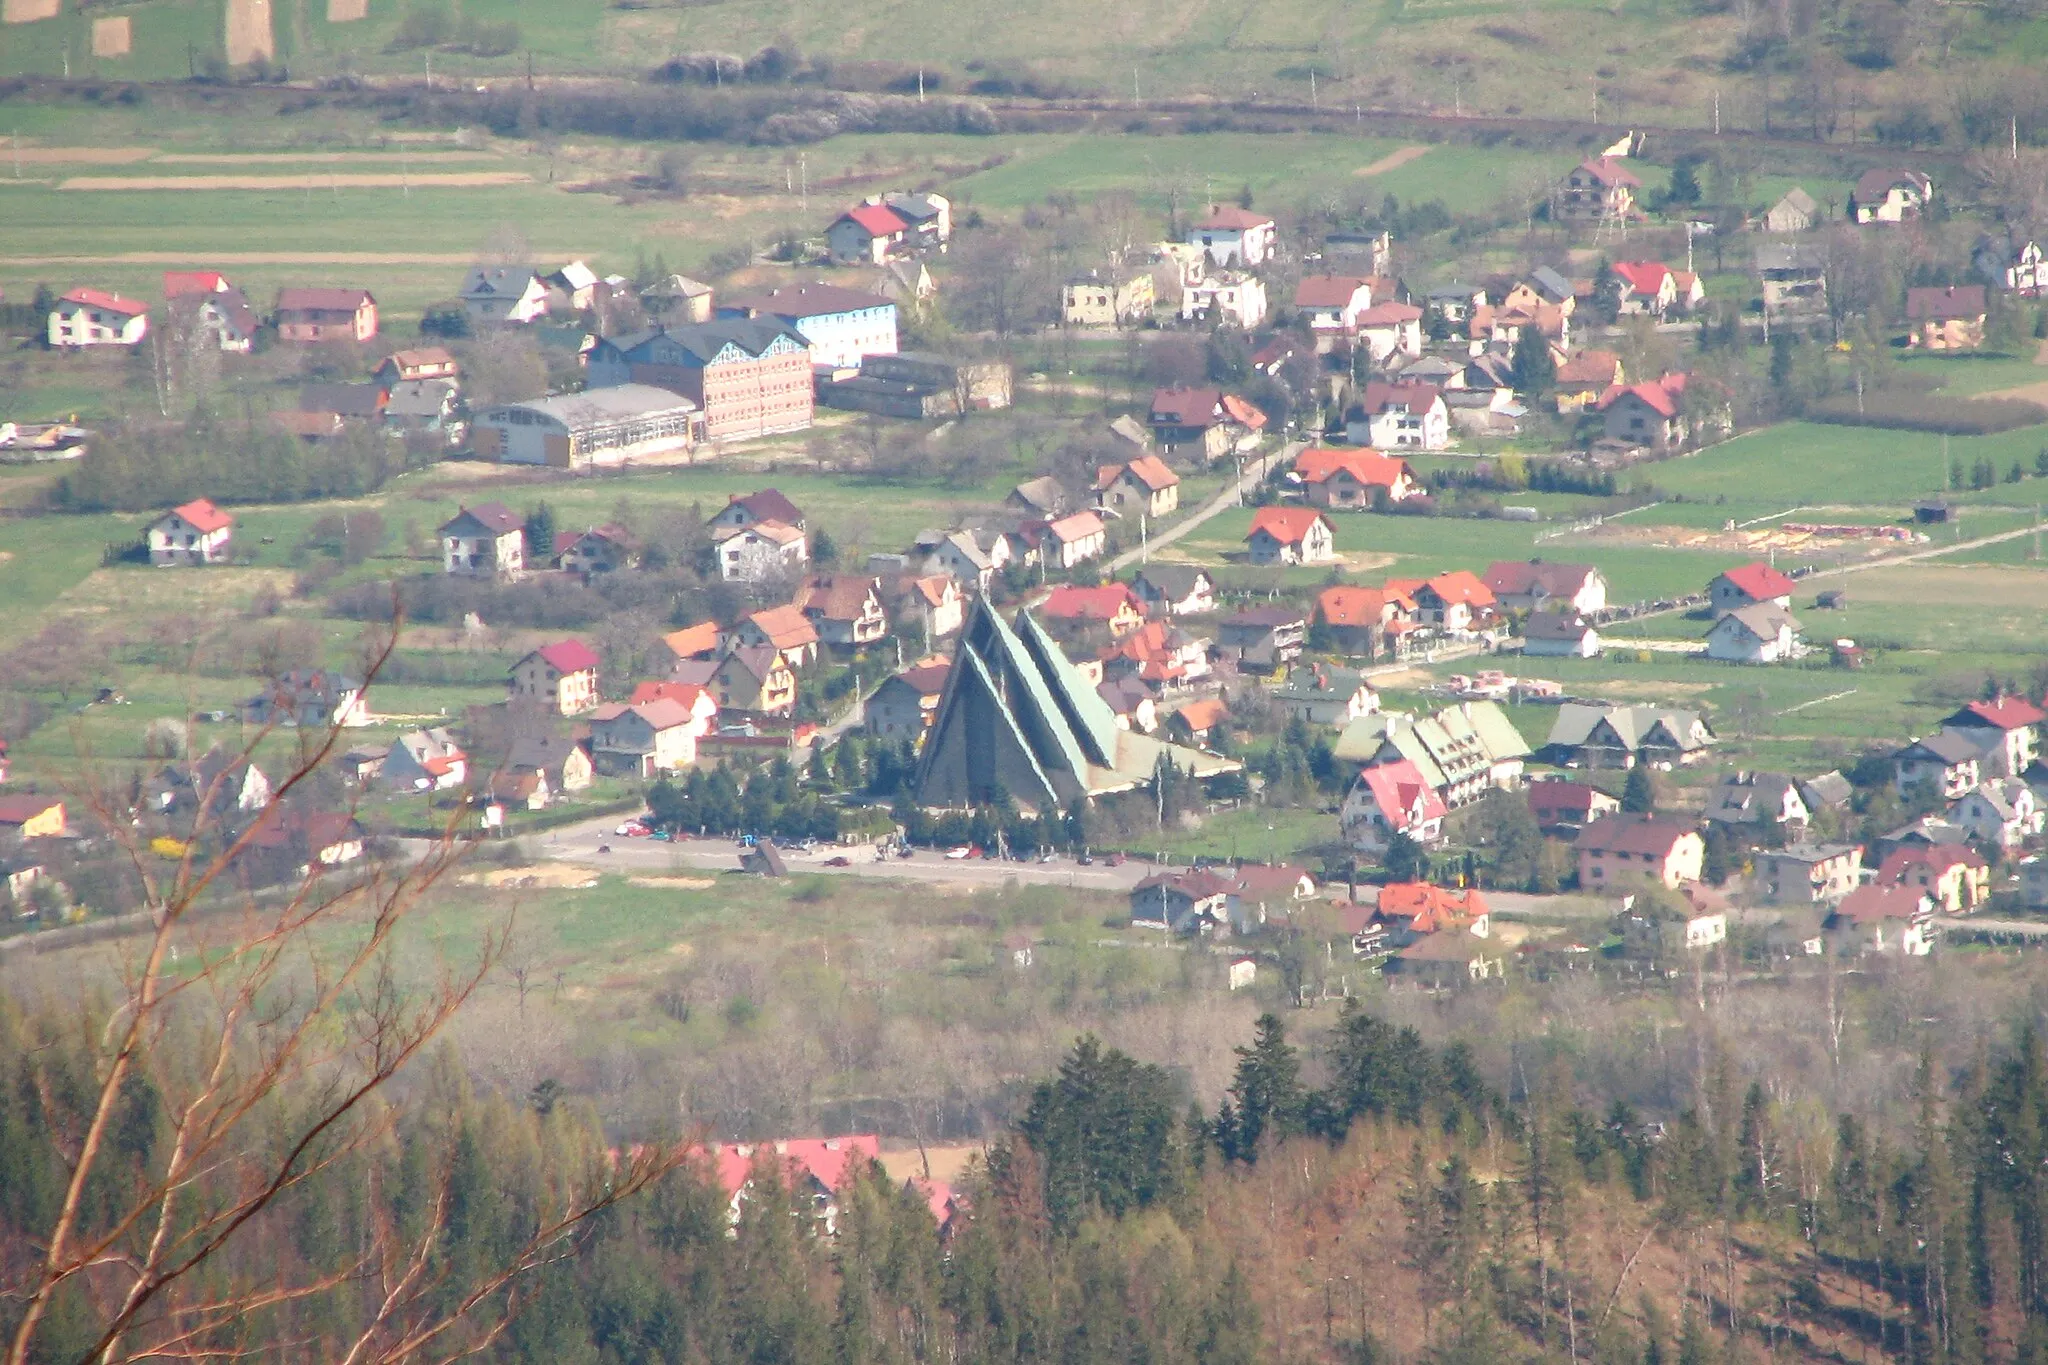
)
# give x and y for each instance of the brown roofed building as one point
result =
(1622, 848)
(321, 315)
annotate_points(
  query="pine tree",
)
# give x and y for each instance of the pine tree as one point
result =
(1714, 865)
(1267, 1091)
(1535, 372)
(1639, 797)
(540, 534)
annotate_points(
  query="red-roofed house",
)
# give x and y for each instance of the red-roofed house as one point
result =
(1651, 414)
(1234, 236)
(1565, 807)
(1348, 478)
(1144, 485)
(692, 697)
(561, 677)
(1454, 601)
(1644, 287)
(1354, 621)
(867, 233)
(1534, 584)
(1333, 305)
(189, 284)
(1389, 799)
(1291, 535)
(1391, 328)
(197, 533)
(94, 317)
(815, 1170)
(1074, 539)
(1598, 190)
(1583, 378)
(1112, 604)
(318, 315)
(1413, 910)
(33, 817)
(1202, 423)
(783, 628)
(1198, 722)
(2016, 721)
(641, 739)
(1955, 876)
(1397, 416)
(1749, 585)
(1885, 919)
(1621, 848)
(845, 608)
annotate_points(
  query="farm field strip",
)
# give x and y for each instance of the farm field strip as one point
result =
(382, 180)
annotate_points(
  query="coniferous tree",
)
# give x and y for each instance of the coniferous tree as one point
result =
(1639, 796)
(1266, 1092)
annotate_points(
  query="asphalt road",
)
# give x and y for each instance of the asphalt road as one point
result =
(652, 857)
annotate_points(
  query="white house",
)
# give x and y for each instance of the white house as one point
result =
(1291, 535)
(1760, 634)
(1390, 329)
(1233, 236)
(1890, 195)
(93, 317)
(197, 533)
(424, 761)
(1230, 298)
(1397, 416)
(1560, 634)
(1388, 799)
(2002, 812)
(2027, 276)
(761, 550)
(484, 541)
(503, 294)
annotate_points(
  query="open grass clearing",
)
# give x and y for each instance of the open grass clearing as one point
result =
(324, 180)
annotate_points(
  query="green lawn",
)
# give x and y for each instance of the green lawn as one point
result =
(1813, 463)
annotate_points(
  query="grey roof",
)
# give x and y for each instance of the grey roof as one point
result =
(419, 397)
(1043, 492)
(1454, 289)
(1807, 853)
(603, 404)
(1551, 284)
(1760, 619)
(1556, 625)
(1828, 789)
(1790, 256)
(915, 207)
(703, 340)
(349, 400)
(1173, 581)
(1748, 798)
(496, 281)
(1798, 198)
(1432, 368)
(1633, 725)
(1948, 746)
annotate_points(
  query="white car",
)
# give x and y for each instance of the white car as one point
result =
(961, 852)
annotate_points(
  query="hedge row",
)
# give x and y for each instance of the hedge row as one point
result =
(1927, 412)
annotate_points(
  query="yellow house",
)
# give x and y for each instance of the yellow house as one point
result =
(755, 678)
(560, 677)
(33, 817)
(1098, 302)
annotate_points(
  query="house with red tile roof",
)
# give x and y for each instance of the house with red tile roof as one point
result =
(1389, 799)
(1202, 423)
(32, 816)
(1650, 414)
(867, 234)
(817, 1171)
(1878, 918)
(1291, 535)
(561, 677)
(1585, 376)
(1644, 287)
(1233, 236)
(1618, 849)
(1599, 189)
(94, 317)
(1200, 721)
(1333, 304)
(1567, 807)
(1532, 584)
(640, 739)
(1355, 621)
(1344, 477)
(196, 533)
(2014, 720)
(1454, 601)
(1749, 585)
(1074, 539)
(785, 628)
(1390, 329)
(1954, 876)
(1112, 604)
(845, 608)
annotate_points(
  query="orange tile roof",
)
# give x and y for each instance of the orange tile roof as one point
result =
(1288, 525)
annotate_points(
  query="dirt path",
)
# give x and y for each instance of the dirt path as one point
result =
(313, 158)
(1224, 500)
(75, 156)
(1392, 161)
(388, 180)
(2032, 393)
(217, 258)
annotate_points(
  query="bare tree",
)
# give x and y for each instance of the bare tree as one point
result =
(294, 1008)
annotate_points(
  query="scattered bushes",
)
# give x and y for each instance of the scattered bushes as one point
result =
(133, 466)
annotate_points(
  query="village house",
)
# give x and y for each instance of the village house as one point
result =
(742, 510)
(1201, 722)
(759, 551)
(1203, 423)
(1564, 807)
(204, 301)
(1890, 195)
(748, 377)
(1043, 497)
(94, 317)
(1163, 657)
(1598, 190)
(903, 706)
(1618, 848)
(1794, 278)
(843, 326)
(1537, 584)
(1354, 622)
(196, 533)
(1807, 874)
(33, 817)
(599, 550)
(218, 781)
(503, 295)
(1260, 639)
(845, 609)
(1175, 589)
(2002, 813)
(1113, 605)
(2027, 276)
(1333, 304)
(1886, 919)
(1319, 694)
(1130, 702)
(1227, 299)
(641, 739)
(1346, 478)
(933, 601)
(784, 629)
(1390, 799)
(319, 315)
(1947, 762)
(1559, 634)
(1795, 211)
(1753, 802)
(1396, 415)
(1291, 535)
(1454, 602)
(425, 406)
(1650, 414)
(1463, 751)
(1229, 235)
(563, 763)
(1954, 876)
(486, 540)
(561, 677)
(1946, 318)
(1095, 300)
(1195, 901)
(1074, 539)
(314, 698)
(1613, 736)
(756, 679)
(599, 426)
(1391, 331)
(2007, 730)
(868, 234)
(575, 287)
(417, 364)
(1759, 634)
(1749, 585)
(424, 761)
(1140, 487)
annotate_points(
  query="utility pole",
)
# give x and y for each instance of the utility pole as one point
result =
(1312, 88)
(920, 84)
(1134, 87)
(803, 170)
(1717, 111)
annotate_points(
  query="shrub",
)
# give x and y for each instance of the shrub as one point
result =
(1924, 412)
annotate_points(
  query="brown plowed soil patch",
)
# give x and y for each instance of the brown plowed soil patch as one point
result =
(111, 37)
(347, 11)
(249, 33)
(27, 11)
(329, 180)
(77, 156)
(1392, 161)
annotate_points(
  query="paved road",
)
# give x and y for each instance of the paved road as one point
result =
(1215, 507)
(651, 857)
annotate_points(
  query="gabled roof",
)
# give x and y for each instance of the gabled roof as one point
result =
(1203, 715)
(1944, 746)
(1762, 620)
(692, 697)
(837, 596)
(497, 282)
(1242, 412)
(1632, 726)
(1937, 859)
(1950, 303)
(1382, 396)
(786, 627)
(105, 302)
(19, 810)
(1626, 833)
(1797, 199)
(1591, 367)
(1327, 291)
(691, 641)
(494, 517)
(1642, 277)
(1662, 395)
(179, 284)
(1389, 314)
(1460, 586)
(927, 680)
(1318, 464)
(1069, 602)
(1231, 218)
(774, 532)
(1147, 470)
(1556, 625)
(1558, 796)
(1344, 606)
(1288, 525)
(2006, 713)
(768, 504)
(1199, 407)
(203, 517)
(1514, 577)
(1431, 909)
(567, 656)
(1174, 582)
(1079, 526)
(320, 300)
(1608, 171)
(877, 220)
(1397, 789)
(1876, 183)
(791, 302)
(1266, 618)
(826, 1161)
(1759, 581)
(1874, 902)
(661, 713)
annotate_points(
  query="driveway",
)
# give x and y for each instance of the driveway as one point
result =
(1231, 496)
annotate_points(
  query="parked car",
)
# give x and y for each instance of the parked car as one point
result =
(841, 861)
(961, 852)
